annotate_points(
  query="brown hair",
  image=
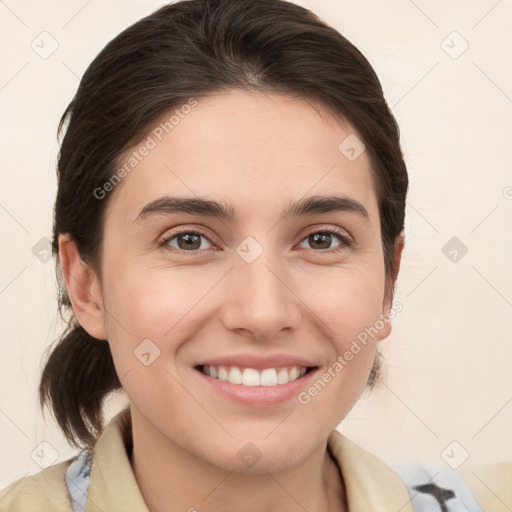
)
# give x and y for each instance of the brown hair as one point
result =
(189, 49)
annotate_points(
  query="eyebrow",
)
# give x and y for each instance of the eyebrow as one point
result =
(312, 205)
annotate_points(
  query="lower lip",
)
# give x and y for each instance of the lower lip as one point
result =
(258, 396)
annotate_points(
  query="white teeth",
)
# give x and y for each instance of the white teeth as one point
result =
(282, 376)
(268, 377)
(293, 373)
(253, 377)
(235, 375)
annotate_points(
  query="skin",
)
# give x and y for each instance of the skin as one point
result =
(257, 152)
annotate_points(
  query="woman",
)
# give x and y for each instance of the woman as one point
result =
(228, 233)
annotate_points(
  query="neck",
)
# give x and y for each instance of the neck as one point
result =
(168, 475)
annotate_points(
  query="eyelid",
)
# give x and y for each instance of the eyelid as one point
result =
(340, 232)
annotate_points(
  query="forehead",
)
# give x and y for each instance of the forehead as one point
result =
(253, 149)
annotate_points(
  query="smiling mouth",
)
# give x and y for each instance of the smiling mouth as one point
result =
(251, 377)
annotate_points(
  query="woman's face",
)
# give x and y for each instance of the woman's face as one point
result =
(262, 287)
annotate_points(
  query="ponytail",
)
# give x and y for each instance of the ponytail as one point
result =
(77, 376)
(375, 373)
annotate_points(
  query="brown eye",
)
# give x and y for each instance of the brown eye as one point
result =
(186, 241)
(323, 240)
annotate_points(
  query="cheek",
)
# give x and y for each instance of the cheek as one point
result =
(354, 312)
(153, 301)
(146, 321)
(164, 306)
(347, 301)
(348, 310)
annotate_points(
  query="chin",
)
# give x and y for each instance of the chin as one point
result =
(251, 458)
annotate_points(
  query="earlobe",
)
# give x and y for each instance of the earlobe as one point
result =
(388, 299)
(83, 287)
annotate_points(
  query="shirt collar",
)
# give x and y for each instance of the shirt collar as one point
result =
(370, 484)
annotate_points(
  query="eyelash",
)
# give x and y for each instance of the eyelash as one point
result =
(345, 241)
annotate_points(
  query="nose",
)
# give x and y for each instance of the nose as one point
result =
(260, 301)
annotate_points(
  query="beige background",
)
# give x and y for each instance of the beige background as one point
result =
(448, 374)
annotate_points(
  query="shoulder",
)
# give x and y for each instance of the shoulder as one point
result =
(491, 485)
(41, 492)
(369, 482)
(420, 487)
(439, 487)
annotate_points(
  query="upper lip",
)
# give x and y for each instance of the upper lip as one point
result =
(257, 362)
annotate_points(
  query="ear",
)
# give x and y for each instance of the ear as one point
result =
(83, 287)
(390, 284)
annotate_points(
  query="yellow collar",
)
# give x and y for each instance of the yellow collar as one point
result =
(370, 484)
